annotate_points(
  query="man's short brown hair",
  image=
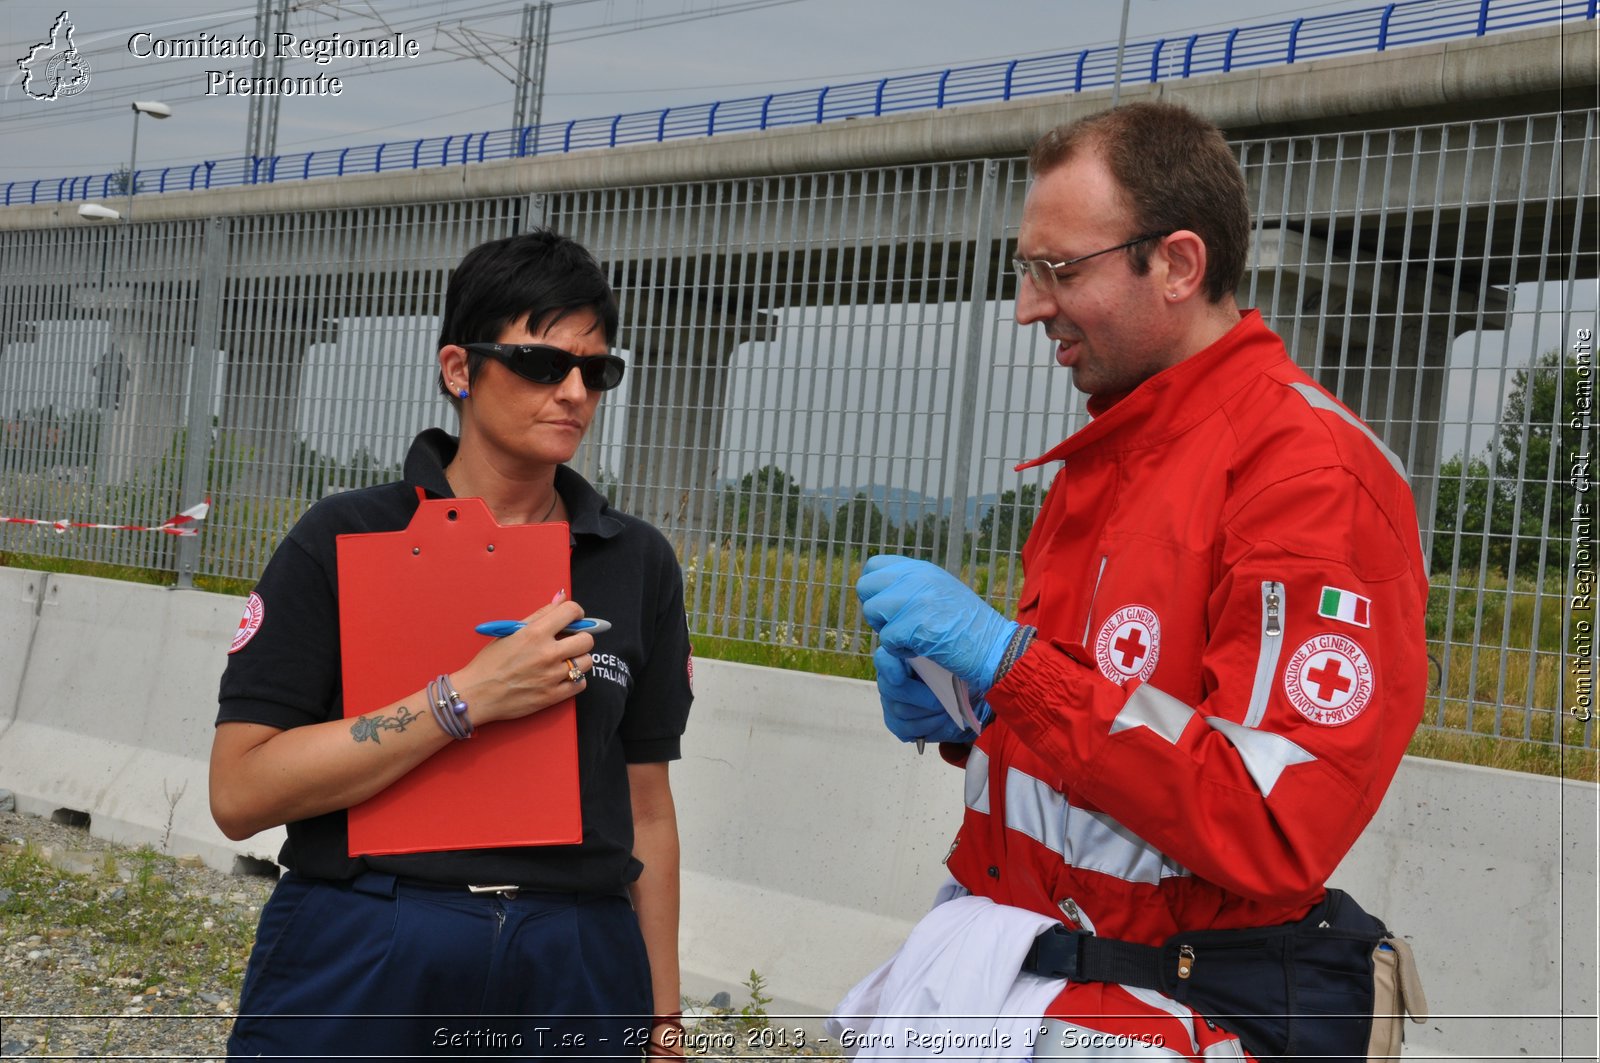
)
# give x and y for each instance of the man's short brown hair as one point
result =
(1175, 171)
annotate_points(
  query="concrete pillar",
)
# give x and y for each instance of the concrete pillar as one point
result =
(266, 350)
(140, 382)
(1376, 334)
(681, 346)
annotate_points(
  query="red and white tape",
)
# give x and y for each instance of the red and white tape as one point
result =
(178, 524)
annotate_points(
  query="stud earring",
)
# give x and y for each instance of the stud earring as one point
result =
(461, 393)
(1172, 295)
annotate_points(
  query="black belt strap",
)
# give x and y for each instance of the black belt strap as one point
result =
(1079, 956)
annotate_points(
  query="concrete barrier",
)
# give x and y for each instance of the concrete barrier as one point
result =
(20, 598)
(113, 708)
(811, 840)
(1492, 876)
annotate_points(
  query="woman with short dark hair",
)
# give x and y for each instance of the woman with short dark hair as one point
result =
(573, 951)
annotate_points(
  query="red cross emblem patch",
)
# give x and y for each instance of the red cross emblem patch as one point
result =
(1329, 679)
(254, 612)
(1129, 644)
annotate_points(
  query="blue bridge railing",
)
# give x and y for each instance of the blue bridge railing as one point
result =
(1372, 29)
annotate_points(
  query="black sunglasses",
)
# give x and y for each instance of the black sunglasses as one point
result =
(544, 364)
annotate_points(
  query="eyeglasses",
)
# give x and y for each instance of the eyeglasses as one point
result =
(1045, 275)
(544, 364)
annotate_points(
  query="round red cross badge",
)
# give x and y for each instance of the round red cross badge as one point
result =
(1128, 644)
(254, 611)
(1329, 679)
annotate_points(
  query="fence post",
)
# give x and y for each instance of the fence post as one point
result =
(197, 456)
(958, 463)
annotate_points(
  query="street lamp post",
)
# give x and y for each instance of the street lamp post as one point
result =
(1122, 44)
(155, 110)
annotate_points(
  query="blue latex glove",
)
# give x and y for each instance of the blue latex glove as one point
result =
(920, 610)
(910, 709)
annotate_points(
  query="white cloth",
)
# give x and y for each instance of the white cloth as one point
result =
(955, 989)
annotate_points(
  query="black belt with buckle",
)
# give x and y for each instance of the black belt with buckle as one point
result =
(385, 884)
(1079, 956)
(508, 892)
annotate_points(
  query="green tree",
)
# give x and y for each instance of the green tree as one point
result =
(1460, 516)
(1005, 525)
(1534, 451)
(1495, 503)
(860, 526)
(765, 505)
(926, 538)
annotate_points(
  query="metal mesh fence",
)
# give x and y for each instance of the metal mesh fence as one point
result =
(826, 365)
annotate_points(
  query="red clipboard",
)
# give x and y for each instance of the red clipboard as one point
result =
(408, 601)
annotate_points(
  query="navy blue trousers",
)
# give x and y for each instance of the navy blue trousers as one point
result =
(389, 970)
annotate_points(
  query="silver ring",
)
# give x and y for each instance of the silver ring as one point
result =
(572, 671)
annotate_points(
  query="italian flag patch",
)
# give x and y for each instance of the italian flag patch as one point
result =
(1345, 605)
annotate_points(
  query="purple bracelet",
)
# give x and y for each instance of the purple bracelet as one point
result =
(457, 727)
(457, 706)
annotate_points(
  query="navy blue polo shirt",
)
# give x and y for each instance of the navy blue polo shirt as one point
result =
(633, 710)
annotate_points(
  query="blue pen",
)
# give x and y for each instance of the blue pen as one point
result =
(499, 629)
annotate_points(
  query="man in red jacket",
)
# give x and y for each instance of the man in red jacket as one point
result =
(1219, 655)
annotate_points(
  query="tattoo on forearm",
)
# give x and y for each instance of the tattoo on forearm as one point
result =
(367, 727)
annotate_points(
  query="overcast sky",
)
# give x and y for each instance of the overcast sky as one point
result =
(605, 57)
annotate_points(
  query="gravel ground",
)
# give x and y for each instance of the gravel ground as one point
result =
(72, 991)
(69, 989)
